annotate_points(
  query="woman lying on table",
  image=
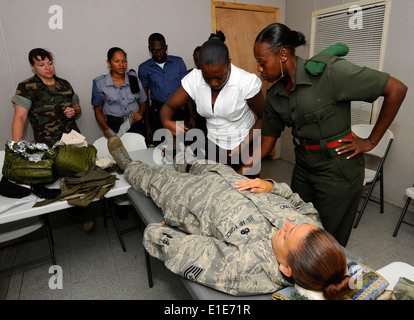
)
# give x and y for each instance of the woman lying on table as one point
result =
(238, 236)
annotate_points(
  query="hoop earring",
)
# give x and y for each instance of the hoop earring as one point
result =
(281, 68)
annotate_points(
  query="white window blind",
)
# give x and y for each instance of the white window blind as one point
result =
(361, 26)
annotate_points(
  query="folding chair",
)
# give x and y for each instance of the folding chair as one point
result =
(373, 176)
(132, 142)
(410, 194)
(19, 229)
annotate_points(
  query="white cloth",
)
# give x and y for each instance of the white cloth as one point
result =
(310, 294)
(232, 119)
(72, 138)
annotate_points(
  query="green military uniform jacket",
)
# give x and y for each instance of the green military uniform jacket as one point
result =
(319, 105)
(319, 109)
(223, 237)
(46, 108)
(83, 187)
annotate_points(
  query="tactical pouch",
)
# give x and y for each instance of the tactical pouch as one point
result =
(72, 159)
(28, 162)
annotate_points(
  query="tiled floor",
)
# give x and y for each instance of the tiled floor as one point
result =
(95, 267)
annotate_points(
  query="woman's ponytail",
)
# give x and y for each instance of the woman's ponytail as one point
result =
(297, 38)
(337, 290)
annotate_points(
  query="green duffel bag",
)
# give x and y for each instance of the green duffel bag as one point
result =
(71, 160)
(28, 162)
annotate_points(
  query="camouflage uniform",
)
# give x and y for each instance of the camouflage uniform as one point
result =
(46, 108)
(223, 237)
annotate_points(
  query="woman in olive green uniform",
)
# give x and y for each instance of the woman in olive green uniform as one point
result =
(329, 169)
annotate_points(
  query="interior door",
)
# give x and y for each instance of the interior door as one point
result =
(241, 23)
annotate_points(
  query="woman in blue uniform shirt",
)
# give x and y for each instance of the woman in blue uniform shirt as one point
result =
(118, 95)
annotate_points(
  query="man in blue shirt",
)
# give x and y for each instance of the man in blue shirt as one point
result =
(161, 76)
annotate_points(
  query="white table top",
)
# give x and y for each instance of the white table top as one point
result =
(393, 271)
(25, 210)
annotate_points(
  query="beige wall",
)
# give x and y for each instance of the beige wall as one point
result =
(399, 168)
(90, 28)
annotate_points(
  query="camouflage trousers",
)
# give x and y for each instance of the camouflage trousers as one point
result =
(181, 196)
(220, 238)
